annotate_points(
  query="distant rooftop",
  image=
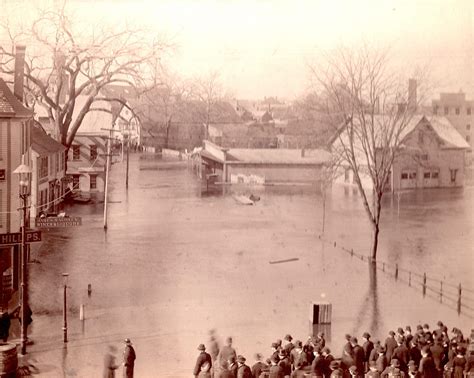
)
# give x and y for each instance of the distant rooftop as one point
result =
(278, 156)
(10, 106)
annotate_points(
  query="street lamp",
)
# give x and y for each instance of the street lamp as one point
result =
(24, 173)
(65, 275)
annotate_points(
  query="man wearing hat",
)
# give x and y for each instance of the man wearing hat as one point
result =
(203, 360)
(390, 345)
(258, 367)
(413, 370)
(128, 359)
(288, 345)
(275, 370)
(336, 371)
(243, 371)
(226, 352)
(402, 354)
(381, 361)
(368, 347)
(373, 372)
(390, 370)
(437, 353)
(358, 357)
(284, 361)
(427, 367)
(318, 366)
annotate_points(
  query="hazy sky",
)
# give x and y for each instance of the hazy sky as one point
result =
(261, 48)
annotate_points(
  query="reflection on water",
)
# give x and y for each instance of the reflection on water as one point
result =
(175, 247)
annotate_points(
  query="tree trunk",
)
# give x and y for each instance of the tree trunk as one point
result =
(375, 241)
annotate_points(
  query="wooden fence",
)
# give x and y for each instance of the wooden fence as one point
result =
(454, 295)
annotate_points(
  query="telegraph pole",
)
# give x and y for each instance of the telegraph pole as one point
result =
(107, 167)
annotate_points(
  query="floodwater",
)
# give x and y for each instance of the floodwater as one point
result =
(177, 261)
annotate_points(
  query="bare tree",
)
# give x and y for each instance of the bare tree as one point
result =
(64, 63)
(360, 88)
(208, 90)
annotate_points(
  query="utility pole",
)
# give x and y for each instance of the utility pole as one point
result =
(128, 158)
(107, 167)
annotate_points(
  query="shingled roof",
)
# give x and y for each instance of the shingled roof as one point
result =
(10, 106)
(43, 143)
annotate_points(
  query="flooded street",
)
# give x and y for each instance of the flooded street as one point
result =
(176, 262)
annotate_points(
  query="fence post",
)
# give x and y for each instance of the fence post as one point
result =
(459, 299)
(424, 284)
(396, 271)
(409, 278)
(441, 292)
(383, 267)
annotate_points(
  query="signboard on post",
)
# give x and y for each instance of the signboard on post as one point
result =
(15, 237)
(58, 222)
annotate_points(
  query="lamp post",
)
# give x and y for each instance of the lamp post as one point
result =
(24, 173)
(65, 275)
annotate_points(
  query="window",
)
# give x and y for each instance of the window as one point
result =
(427, 175)
(76, 152)
(468, 111)
(404, 176)
(43, 167)
(457, 111)
(468, 127)
(412, 175)
(420, 137)
(453, 174)
(468, 138)
(346, 175)
(93, 181)
(435, 110)
(93, 154)
(75, 182)
(446, 110)
(435, 174)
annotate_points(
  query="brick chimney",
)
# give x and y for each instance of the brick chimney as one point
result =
(412, 86)
(19, 71)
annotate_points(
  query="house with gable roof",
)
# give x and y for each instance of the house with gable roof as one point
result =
(431, 154)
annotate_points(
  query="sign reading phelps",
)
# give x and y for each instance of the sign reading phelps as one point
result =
(15, 237)
(58, 222)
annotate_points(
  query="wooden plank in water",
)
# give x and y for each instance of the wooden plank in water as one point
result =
(284, 261)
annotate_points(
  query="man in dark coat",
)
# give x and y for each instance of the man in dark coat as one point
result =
(203, 358)
(288, 345)
(390, 345)
(318, 366)
(358, 357)
(437, 353)
(128, 359)
(414, 352)
(227, 352)
(284, 362)
(243, 371)
(427, 367)
(368, 347)
(328, 358)
(275, 370)
(402, 354)
(232, 363)
(258, 366)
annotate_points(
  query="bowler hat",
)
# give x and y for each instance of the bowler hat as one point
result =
(366, 335)
(127, 341)
(241, 359)
(354, 340)
(288, 337)
(201, 347)
(391, 333)
(298, 344)
(395, 362)
(274, 345)
(408, 328)
(334, 365)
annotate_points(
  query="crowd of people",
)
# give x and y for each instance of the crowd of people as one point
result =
(427, 353)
